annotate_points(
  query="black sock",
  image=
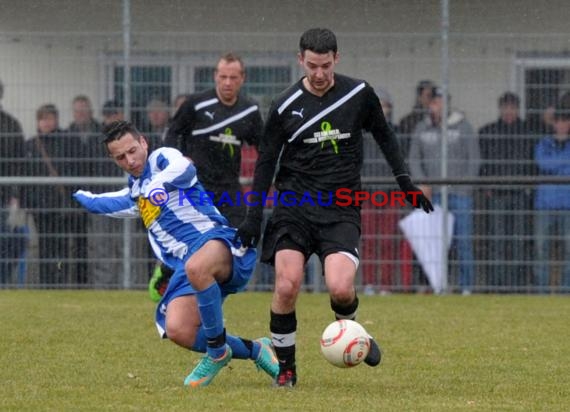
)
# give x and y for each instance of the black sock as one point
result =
(345, 311)
(283, 328)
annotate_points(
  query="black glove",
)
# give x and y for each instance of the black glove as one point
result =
(249, 231)
(413, 194)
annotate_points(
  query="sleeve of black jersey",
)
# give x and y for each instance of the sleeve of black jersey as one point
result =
(180, 127)
(254, 137)
(384, 135)
(269, 149)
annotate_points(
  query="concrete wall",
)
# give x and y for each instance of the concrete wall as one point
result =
(389, 43)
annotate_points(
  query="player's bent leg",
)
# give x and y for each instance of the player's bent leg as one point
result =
(340, 271)
(183, 321)
(212, 262)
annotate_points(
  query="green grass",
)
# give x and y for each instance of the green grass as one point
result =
(85, 350)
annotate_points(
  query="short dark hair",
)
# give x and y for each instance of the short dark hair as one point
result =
(115, 130)
(82, 98)
(425, 84)
(231, 57)
(509, 98)
(47, 109)
(318, 40)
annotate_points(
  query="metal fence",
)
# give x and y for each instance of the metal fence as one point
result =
(516, 246)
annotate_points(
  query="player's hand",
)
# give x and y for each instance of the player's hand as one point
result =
(414, 195)
(249, 231)
(84, 197)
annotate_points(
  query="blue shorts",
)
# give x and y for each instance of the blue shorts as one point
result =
(243, 263)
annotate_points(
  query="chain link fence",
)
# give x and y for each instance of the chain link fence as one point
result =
(512, 238)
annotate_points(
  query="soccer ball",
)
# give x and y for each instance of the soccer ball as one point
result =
(345, 343)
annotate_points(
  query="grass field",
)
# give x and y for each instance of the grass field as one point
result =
(86, 350)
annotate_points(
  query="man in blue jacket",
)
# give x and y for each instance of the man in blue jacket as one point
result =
(552, 202)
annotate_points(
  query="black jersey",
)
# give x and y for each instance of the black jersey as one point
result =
(212, 134)
(320, 142)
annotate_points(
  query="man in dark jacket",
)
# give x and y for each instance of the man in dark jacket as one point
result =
(408, 123)
(12, 236)
(506, 150)
(61, 230)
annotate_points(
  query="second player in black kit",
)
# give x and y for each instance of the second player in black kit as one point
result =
(316, 127)
(210, 127)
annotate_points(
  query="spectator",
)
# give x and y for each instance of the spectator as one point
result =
(552, 202)
(61, 226)
(463, 160)
(12, 233)
(158, 116)
(105, 236)
(408, 123)
(506, 150)
(83, 125)
(382, 243)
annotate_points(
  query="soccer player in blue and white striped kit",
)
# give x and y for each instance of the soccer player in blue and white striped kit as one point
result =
(194, 239)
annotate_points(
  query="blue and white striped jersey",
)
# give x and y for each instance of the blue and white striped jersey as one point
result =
(170, 200)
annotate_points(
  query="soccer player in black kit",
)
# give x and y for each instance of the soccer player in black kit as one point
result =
(210, 128)
(316, 127)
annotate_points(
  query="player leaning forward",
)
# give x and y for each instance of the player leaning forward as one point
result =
(316, 125)
(192, 238)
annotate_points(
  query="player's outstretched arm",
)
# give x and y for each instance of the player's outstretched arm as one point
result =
(115, 204)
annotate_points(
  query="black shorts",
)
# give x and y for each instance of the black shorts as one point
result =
(296, 233)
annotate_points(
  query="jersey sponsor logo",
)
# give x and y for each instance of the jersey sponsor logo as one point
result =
(149, 212)
(298, 113)
(209, 114)
(327, 134)
(228, 139)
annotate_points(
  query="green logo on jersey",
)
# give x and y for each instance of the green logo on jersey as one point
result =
(326, 127)
(228, 132)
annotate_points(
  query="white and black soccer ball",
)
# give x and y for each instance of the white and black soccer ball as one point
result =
(345, 343)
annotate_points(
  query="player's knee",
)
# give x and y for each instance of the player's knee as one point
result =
(198, 276)
(180, 334)
(287, 287)
(192, 272)
(343, 294)
(201, 274)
